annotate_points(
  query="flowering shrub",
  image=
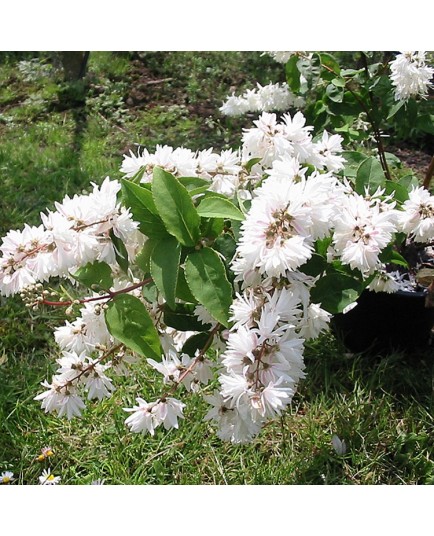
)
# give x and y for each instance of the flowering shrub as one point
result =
(214, 267)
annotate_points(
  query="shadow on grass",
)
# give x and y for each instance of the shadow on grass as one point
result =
(42, 162)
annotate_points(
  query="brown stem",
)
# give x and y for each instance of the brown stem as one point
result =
(91, 366)
(375, 129)
(108, 296)
(429, 174)
(194, 362)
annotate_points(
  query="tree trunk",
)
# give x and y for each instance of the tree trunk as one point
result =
(74, 65)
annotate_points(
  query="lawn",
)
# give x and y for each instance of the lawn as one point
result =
(54, 140)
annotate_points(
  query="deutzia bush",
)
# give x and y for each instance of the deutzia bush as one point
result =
(214, 267)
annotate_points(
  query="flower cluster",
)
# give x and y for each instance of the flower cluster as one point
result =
(263, 362)
(269, 98)
(410, 75)
(222, 170)
(76, 233)
(76, 372)
(280, 56)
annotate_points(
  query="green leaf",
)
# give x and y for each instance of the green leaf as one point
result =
(425, 123)
(390, 256)
(339, 82)
(335, 291)
(206, 277)
(392, 160)
(395, 108)
(150, 292)
(194, 343)
(329, 61)
(212, 227)
(311, 69)
(400, 193)
(95, 273)
(121, 253)
(176, 208)
(164, 265)
(216, 207)
(408, 181)
(183, 291)
(226, 245)
(334, 93)
(236, 229)
(192, 183)
(292, 73)
(143, 259)
(252, 162)
(182, 318)
(128, 321)
(315, 266)
(322, 245)
(369, 176)
(141, 203)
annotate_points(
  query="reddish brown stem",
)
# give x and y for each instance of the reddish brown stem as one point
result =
(107, 296)
(90, 367)
(429, 174)
(194, 362)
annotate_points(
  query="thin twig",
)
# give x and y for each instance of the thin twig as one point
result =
(429, 174)
(108, 296)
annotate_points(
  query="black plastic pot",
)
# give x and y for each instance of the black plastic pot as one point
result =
(382, 323)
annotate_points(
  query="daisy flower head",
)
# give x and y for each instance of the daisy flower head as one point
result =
(6, 477)
(46, 452)
(48, 479)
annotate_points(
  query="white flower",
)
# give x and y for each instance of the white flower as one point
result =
(167, 411)
(235, 388)
(61, 398)
(240, 347)
(148, 416)
(203, 316)
(272, 97)
(410, 75)
(170, 366)
(417, 217)
(281, 56)
(275, 235)
(361, 232)
(245, 308)
(203, 370)
(6, 477)
(383, 282)
(316, 321)
(96, 382)
(142, 419)
(133, 164)
(326, 153)
(71, 364)
(48, 479)
(23, 260)
(270, 401)
(233, 425)
(234, 106)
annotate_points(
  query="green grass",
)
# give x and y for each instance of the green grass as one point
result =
(381, 407)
